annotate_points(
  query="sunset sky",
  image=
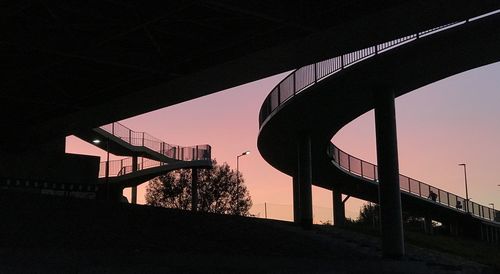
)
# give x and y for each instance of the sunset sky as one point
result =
(449, 122)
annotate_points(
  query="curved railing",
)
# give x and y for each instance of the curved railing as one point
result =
(134, 138)
(368, 171)
(305, 77)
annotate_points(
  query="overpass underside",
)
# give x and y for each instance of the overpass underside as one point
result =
(70, 68)
(302, 114)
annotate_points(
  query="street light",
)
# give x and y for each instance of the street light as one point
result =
(238, 174)
(466, 192)
(238, 161)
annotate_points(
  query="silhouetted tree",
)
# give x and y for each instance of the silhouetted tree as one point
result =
(369, 214)
(218, 191)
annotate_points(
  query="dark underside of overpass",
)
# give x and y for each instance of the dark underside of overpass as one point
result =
(68, 66)
(296, 128)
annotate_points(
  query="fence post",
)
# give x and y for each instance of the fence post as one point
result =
(143, 139)
(342, 61)
(113, 128)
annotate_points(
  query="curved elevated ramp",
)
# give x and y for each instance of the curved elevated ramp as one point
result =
(321, 98)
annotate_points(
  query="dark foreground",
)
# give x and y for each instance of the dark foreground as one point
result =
(57, 235)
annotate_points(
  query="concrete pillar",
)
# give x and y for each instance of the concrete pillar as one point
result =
(194, 190)
(305, 181)
(338, 209)
(388, 173)
(133, 196)
(296, 200)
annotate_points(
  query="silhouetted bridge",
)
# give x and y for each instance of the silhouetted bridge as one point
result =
(149, 157)
(305, 110)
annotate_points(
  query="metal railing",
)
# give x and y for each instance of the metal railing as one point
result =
(305, 77)
(368, 171)
(124, 166)
(192, 153)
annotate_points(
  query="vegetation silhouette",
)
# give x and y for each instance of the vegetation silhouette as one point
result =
(219, 191)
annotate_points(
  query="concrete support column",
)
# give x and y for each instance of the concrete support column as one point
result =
(296, 200)
(194, 190)
(338, 209)
(133, 195)
(388, 173)
(305, 180)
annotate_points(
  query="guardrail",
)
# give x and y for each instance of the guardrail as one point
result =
(192, 153)
(125, 166)
(305, 77)
(368, 171)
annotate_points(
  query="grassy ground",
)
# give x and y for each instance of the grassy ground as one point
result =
(474, 250)
(57, 235)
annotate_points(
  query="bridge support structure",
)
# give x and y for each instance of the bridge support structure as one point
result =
(305, 180)
(388, 173)
(338, 209)
(135, 167)
(296, 199)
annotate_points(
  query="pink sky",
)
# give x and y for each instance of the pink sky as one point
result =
(451, 121)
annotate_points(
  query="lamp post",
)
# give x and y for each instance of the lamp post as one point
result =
(238, 174)
(466, 191)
